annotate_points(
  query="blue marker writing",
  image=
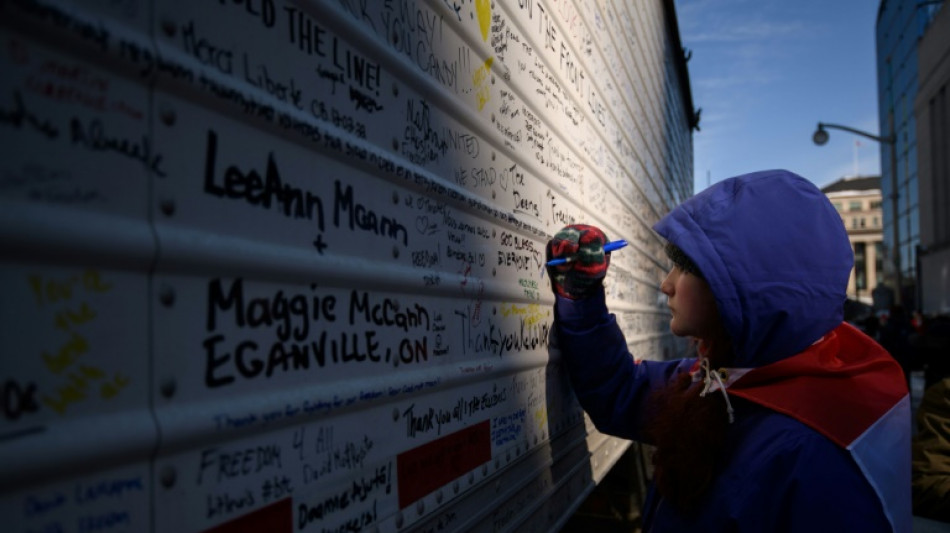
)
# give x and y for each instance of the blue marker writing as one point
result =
(609, 247)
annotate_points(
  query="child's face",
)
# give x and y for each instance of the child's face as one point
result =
(691, 303)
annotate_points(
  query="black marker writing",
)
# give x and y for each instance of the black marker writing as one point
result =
(20, 116)
(361, 217)
(222, 465)
(263, 9)
(258, 190)
(207, 52)
(93, 136)
(364, 101)
(18, 399)
(291, 313)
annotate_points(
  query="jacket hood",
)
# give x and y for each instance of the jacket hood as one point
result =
(775, 254)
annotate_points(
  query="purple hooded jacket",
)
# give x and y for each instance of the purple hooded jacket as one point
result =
(777, 258)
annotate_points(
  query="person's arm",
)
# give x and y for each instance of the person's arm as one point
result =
(610, 386)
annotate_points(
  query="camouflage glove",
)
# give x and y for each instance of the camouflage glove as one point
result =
(583, 275)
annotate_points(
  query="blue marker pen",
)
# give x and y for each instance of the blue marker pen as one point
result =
(609, 247)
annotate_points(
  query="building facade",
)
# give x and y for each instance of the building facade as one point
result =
(858, 201)
(933, 134)
(900, 26)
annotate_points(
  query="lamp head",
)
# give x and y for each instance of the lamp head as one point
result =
(821, 136)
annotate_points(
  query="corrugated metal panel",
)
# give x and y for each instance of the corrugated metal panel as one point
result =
(278, 265)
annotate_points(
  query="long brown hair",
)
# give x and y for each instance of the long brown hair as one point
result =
(689, 431)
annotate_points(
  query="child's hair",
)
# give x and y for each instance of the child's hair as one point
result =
(689, 432)
(682, 260)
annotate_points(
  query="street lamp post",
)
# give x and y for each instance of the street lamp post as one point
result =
(820, 137)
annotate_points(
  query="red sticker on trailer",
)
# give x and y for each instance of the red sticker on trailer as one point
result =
(277, 517)
(422, 470)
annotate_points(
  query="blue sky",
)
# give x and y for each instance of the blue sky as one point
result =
(765, 72)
